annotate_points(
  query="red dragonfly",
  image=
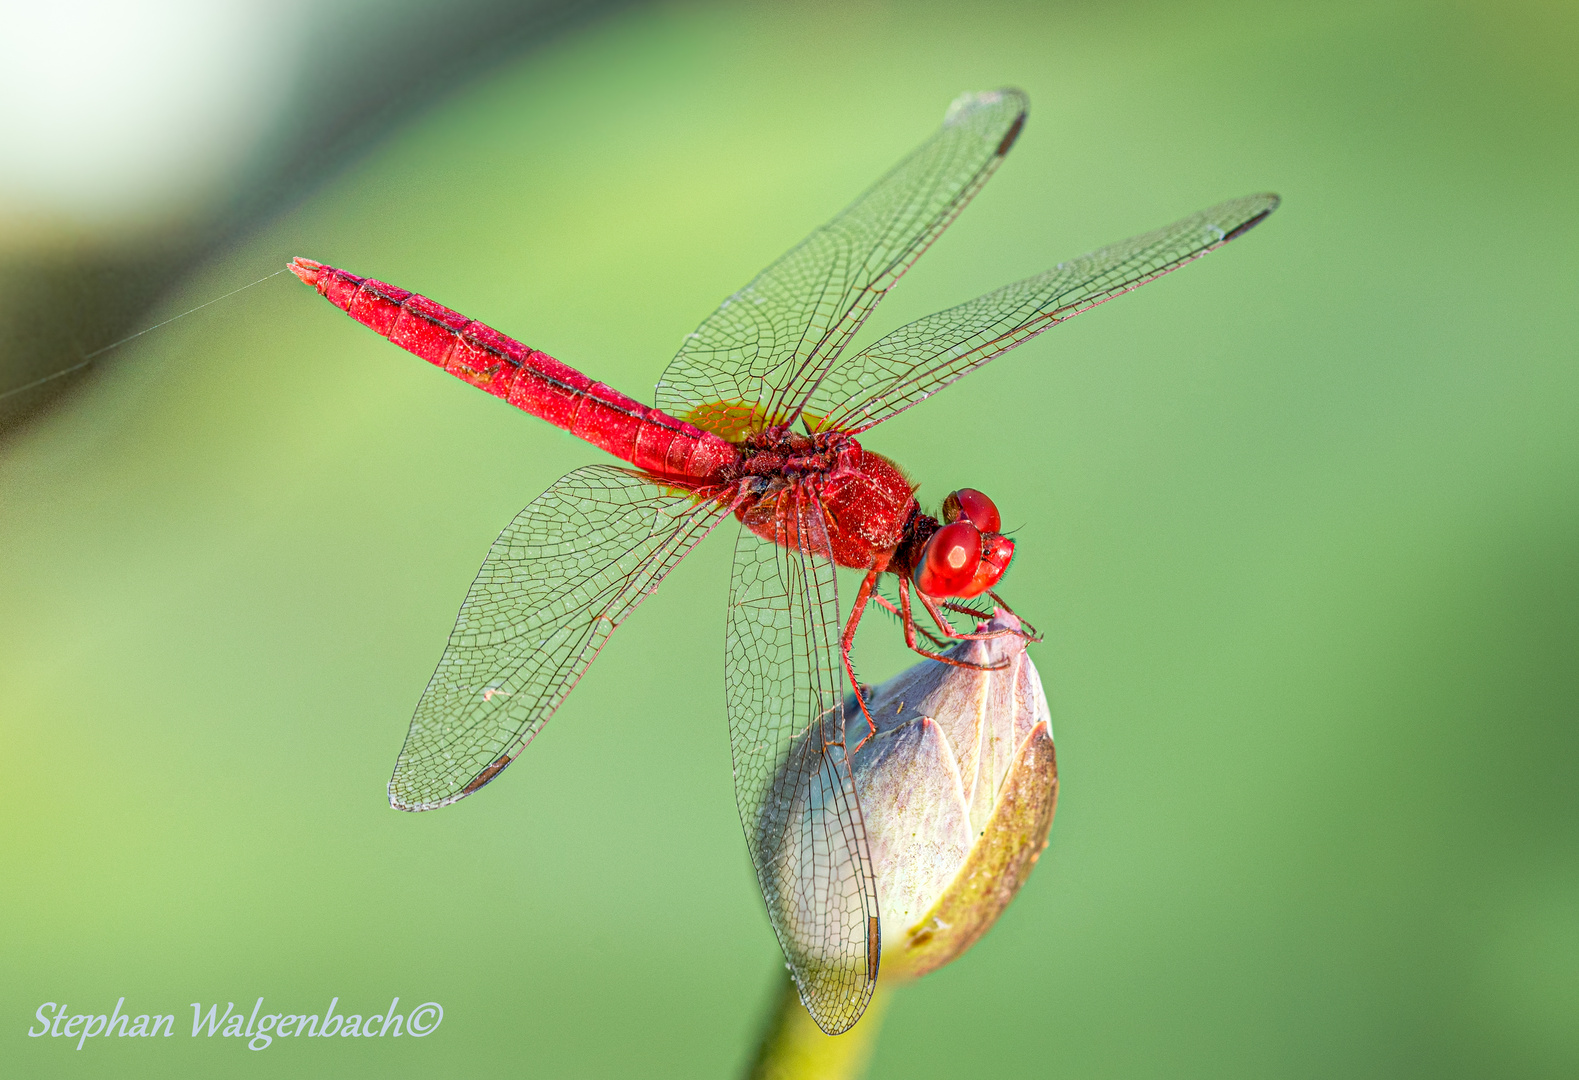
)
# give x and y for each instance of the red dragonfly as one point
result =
(757, 418)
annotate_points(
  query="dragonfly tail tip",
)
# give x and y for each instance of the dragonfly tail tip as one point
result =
(306, 269)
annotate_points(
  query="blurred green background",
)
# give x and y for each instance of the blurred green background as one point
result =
(1301, 523)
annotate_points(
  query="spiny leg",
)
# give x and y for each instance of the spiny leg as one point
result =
(949, 605)
(1029, 632)
(911, 628)
(892, 610)
(1025, 629)
(863, 595)
(936, 612)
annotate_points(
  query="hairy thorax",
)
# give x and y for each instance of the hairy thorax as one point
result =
(866, 500)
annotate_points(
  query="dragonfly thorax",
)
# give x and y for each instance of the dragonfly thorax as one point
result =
(864, 499)
(778, 452)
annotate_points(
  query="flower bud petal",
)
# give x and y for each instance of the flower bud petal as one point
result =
(957, 789)
(999, 863)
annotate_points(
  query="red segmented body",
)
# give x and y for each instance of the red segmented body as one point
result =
(865, 498)
(530, 380)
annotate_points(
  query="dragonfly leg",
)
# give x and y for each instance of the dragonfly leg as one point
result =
(979, 616)
(1030, 632)
(911, 628)
(965, 609)
(863, 596)
(884, 604)
(892, 610)
(948, 630)
(1026, 630)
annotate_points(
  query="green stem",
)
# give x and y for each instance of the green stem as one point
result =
(794, 1048)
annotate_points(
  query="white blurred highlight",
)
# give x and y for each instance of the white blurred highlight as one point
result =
(117, 110)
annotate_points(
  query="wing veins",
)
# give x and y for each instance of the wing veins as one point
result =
(517, 650)
(765, 348)
(921, 357)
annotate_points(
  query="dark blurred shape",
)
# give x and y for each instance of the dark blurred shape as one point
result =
(58, 304)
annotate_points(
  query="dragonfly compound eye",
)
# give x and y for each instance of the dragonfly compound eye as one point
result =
(950, 560)
(974, 507)
(997, 550)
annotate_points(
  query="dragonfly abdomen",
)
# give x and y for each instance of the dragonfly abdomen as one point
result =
(525, 377)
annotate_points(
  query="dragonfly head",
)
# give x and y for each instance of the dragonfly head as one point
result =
(968, 554)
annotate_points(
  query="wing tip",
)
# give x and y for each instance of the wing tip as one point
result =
(399, 798)
(1006, 143)
(974, 101)
(835, 1017)
(1271, 202)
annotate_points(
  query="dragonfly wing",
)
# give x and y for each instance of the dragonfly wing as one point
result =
(755, 359)
(920, 358)
(555, 584)
(792, 771)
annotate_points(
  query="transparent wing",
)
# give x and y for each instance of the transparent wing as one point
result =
(556, 583)
(755, 359)
(921, 358)
(792, 772)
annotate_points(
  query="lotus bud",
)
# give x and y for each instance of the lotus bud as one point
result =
(957, 790)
